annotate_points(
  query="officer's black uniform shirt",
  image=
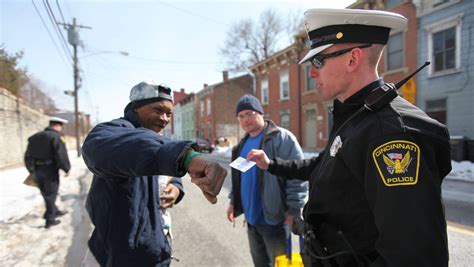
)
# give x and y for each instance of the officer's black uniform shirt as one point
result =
(378, 182)
(46, 146)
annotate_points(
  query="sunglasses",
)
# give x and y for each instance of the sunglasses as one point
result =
(318, 60)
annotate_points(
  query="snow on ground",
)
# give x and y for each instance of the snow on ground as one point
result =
(17, 199)
(25, 241)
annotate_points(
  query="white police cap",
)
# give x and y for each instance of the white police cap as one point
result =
(150, 90)
(58, 119)
(326, 27)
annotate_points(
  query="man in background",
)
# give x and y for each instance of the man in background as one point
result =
(270, 203)
(45, 155)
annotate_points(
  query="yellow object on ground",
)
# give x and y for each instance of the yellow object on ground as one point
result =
(283, 261)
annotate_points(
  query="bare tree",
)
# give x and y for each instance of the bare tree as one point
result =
(248, 42)
(36, 97)
(294, 24)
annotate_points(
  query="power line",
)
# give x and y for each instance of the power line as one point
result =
(55, 25)
(193, 14)
(183, 62)
(60, 11)
(49, 33)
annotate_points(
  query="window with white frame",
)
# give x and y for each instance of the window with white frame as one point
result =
(264, 87)
(444, 49)
(310, 83)
(284, 85)
(202, 108)
(209, 109)
(395, 52)
(444, 45)
(285, 120)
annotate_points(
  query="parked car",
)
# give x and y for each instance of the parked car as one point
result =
(204, 145)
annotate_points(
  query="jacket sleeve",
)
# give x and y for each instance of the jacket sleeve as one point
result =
(176, 181)
(403, 187)
(29, 161)
(120, 151)
(299, 169)
(296, 190)
(60, 153)
(234, 175)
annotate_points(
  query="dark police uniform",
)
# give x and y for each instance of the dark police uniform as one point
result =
(376, 189)
(45, 155)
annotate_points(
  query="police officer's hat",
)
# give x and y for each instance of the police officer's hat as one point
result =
(58, 120)
(326, 27)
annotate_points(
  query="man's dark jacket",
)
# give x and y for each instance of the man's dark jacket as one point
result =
(123, 201)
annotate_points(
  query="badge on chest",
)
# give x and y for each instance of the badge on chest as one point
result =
(335, 146)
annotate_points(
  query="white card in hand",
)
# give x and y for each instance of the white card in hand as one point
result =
(242, 164)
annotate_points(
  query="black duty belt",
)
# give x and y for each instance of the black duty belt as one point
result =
(40, 162)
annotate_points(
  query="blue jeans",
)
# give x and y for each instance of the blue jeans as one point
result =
(266, 242)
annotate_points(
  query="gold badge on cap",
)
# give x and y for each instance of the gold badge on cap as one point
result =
(397, 162)
(339, 35)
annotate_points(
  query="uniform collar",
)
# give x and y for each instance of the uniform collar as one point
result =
(357, 99)
(50, 129)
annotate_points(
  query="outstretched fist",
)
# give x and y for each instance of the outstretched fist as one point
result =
(208, 176)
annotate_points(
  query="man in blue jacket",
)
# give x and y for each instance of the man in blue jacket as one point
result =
(269, 202)
(126, 156)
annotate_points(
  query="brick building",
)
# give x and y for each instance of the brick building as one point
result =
(289, 96)
(169, 130)
(215, 108)
(188, 116)
(399, 58)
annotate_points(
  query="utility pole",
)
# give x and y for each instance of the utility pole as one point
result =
(73, 39)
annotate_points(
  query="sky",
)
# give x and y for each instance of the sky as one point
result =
(172, 42)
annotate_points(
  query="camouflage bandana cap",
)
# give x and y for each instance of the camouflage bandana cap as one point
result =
(150, 90)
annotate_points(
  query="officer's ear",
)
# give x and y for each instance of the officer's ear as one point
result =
(355, 59)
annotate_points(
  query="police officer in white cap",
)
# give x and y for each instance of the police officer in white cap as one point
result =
(126, 156)
(375, 194)
(45, 155)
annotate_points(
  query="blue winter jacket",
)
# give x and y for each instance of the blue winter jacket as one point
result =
(280, 197)
(123, 201)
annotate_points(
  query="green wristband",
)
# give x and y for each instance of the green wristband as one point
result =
(188, 158)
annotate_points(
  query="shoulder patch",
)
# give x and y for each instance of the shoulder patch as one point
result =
(62, 138)
(397, 162)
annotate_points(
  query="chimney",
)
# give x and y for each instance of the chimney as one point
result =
(225, 75)
(204, 85)
(182, 90)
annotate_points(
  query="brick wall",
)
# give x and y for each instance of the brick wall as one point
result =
(223, 97)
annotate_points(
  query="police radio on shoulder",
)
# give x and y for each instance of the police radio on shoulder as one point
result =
(387, 92)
